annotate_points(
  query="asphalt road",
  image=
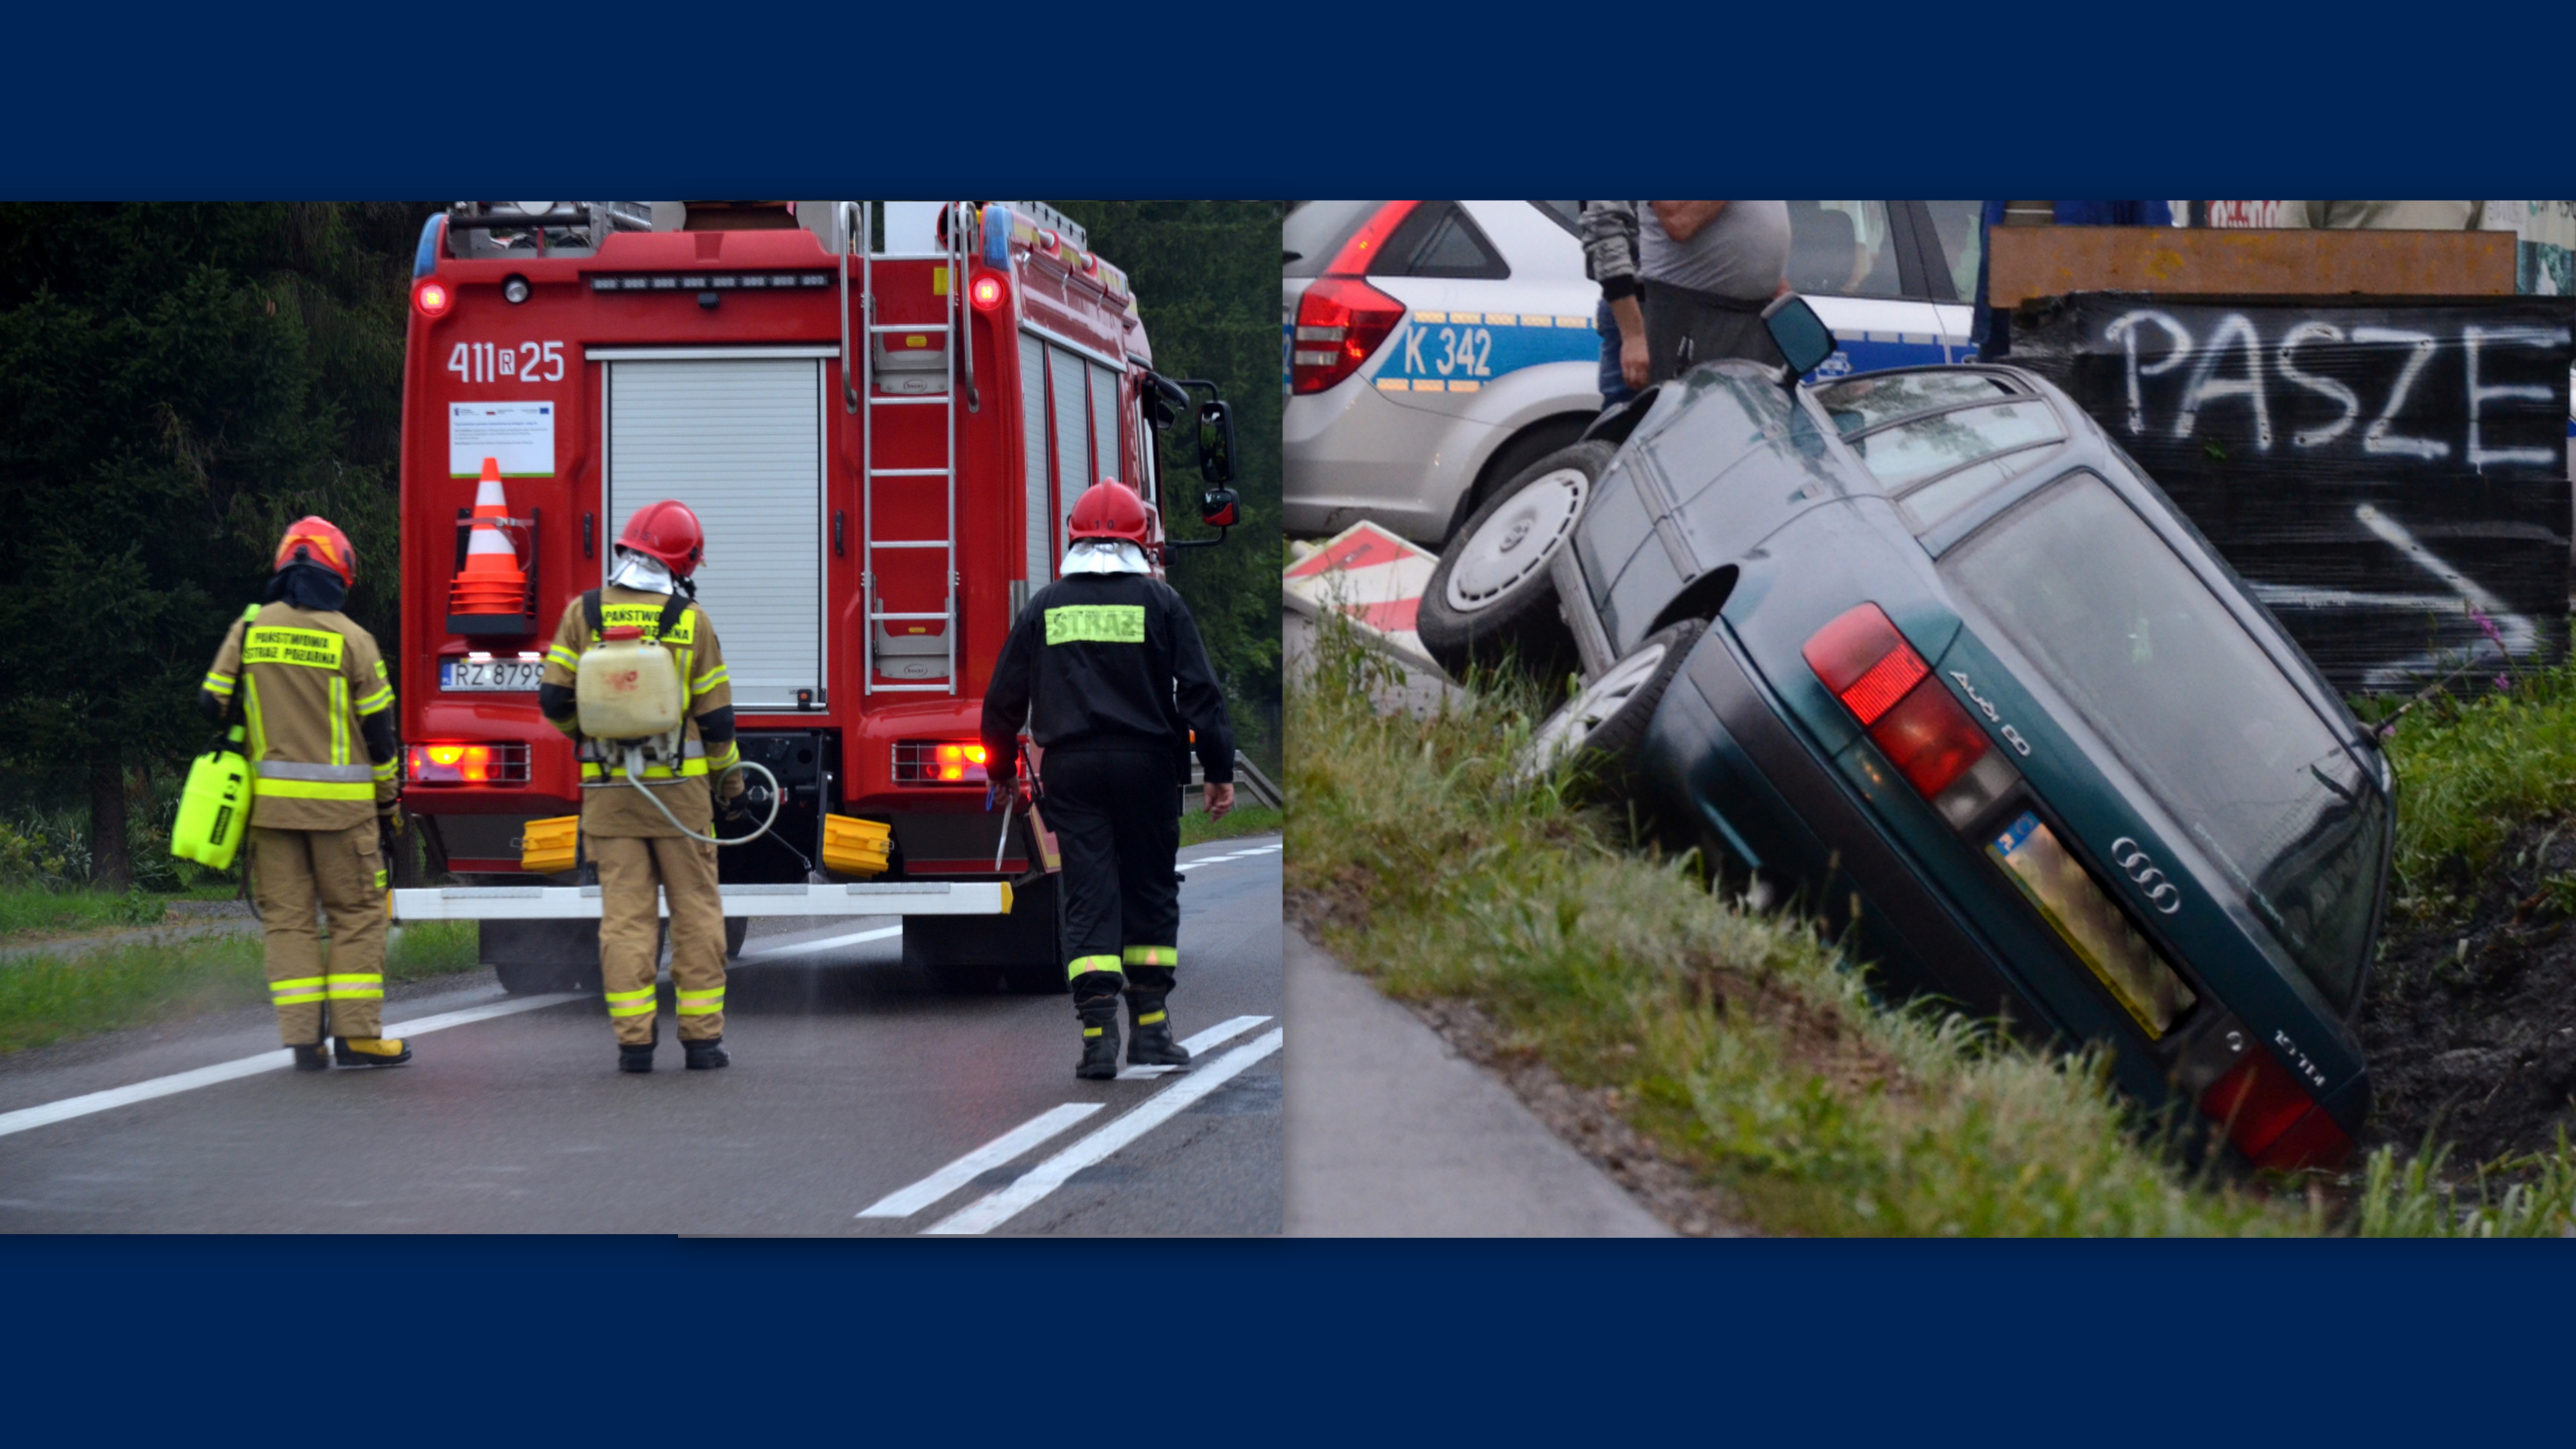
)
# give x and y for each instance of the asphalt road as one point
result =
(854, 1080)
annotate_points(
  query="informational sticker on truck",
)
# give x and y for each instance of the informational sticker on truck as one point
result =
(519, 434)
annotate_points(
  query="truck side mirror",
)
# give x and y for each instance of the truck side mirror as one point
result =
(1164, 400)
(1217, 508)
(1216, 444)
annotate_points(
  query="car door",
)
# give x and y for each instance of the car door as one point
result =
(1861, 265)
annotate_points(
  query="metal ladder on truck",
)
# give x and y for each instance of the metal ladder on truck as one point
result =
(858, 226)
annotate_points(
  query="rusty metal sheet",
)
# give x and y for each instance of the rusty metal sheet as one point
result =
(2050, 261)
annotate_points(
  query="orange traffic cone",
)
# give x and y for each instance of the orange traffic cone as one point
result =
(493, 582)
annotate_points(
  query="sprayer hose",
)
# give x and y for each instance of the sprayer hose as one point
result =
(777, 797)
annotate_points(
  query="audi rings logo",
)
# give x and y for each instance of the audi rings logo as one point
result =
(2160, 890)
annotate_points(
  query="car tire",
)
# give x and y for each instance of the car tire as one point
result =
(737, 930)
(1492, 598)
(1605, 724)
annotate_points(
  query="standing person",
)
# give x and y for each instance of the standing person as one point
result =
(1609, 232)
(641, 848)
(313, 692)
(1706, 270)
(1105, 665)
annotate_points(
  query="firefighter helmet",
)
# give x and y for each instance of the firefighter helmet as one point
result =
(316, 540)
(1108, 509)
(668, 531)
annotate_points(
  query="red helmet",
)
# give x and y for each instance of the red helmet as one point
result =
(667, 531)
(317, 540)
(1109, 509)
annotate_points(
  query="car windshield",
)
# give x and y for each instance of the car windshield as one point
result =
(2195, 708)
(1314, 230)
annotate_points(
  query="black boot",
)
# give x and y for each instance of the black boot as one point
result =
(1099, 1013)
(639, 1056)
(706, 1055)
(1153, 1045)
(312, 1058)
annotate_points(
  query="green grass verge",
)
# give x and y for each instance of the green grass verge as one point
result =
(1197, 829)
(48, 998)
(31, 912)
(1740, 1043)
(2469, 772)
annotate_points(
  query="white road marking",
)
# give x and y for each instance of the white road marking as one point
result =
(81, 1106)
(1208, 1040)
(828, 943)
(904, 1202)
(996, 1208)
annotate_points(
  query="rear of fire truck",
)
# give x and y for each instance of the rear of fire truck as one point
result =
(881, 413)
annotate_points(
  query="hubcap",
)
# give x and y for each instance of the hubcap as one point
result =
(1566, 730)
(1516, 540)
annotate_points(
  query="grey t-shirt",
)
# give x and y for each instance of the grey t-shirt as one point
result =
(1742, 254)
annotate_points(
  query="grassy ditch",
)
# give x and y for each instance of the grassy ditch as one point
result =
(1244, 819)
(46, 998)
(33, 912)
(1741, 1044)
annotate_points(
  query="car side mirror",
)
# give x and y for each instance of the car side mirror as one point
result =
(1218, 508)
(1216, 444)
(1802, 337)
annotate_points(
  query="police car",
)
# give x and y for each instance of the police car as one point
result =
(1434, 349)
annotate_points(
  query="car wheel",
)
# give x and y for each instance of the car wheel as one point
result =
(1605, 724)
(1492, 598)
(737, 930)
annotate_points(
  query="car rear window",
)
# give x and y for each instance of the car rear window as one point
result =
(1314, 230)
(1869, 402)
(1940, 442)
(2195, 709)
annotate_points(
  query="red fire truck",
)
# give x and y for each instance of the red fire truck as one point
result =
(882, 412)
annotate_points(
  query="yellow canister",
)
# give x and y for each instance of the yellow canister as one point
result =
(214, 807)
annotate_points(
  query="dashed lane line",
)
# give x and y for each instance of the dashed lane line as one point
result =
(70, 1107)
(998, 1207)
(905, 1201)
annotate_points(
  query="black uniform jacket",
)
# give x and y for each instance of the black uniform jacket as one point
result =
(1108, 662)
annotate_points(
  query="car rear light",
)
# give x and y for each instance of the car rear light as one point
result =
(432, 298)
(1340, 322)
(502, 763)
(1913, 720)
(2271, 1118)
(940, 762)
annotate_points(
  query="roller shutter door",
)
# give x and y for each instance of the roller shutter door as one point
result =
(741, 442)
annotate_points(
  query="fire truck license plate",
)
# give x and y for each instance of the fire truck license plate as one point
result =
(490, 675)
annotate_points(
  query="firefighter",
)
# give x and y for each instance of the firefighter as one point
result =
(1105, 665)
(312, 690)
(636, 847)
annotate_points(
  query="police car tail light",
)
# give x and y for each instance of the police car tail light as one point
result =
(1340, 322)
(1925, 733)
(940, 762)
(2271, 1118)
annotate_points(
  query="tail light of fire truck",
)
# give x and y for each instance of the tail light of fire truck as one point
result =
(939, 762)
(987, 292)
(432, 298)
(504, 763)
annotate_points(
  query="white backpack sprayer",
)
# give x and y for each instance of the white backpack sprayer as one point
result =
(630, 700)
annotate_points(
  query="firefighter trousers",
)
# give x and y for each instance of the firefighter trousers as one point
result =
(1117, 822)
(630, 935)
(342, 872)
